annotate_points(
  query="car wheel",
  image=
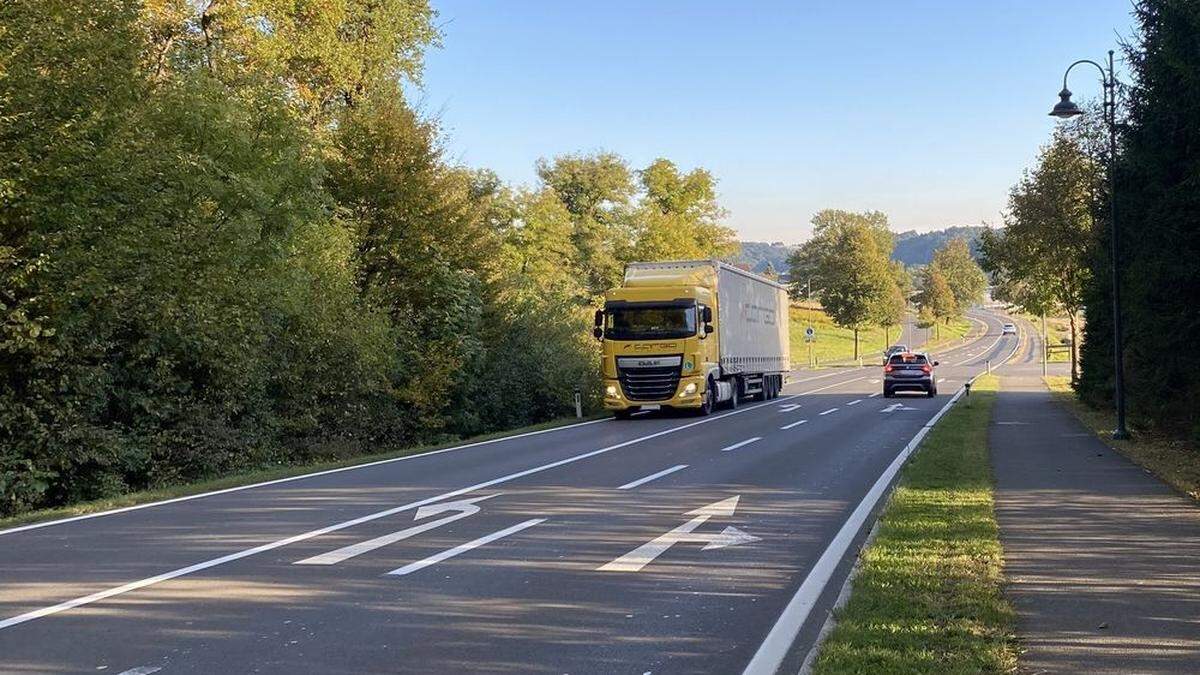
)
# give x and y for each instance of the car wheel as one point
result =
(887, 393)
(931, 392)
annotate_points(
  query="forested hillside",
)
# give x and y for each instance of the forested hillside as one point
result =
(228, 242)
(917, 248)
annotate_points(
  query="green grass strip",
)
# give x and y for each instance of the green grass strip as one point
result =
(927, 597)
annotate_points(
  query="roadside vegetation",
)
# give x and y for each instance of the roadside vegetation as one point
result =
(927, 596)
(228, 242)
(847, 268)
(1175, 461)
(835, 344)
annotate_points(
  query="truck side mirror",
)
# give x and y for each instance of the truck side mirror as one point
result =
(708, 329)
(598, 332)
(599, 318)
(707, 316)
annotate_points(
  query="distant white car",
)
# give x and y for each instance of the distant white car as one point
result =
(1008, 329)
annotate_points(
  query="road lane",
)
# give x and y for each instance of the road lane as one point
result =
(530, 598)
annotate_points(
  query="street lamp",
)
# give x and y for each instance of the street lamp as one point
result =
(1065, 109)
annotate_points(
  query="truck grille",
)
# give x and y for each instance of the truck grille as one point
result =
(645, 382)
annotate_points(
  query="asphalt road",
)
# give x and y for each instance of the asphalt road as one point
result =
(658, 544)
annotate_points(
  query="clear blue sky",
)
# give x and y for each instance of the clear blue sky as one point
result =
(925, 110)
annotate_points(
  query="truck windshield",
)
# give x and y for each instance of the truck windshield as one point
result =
(649, 321)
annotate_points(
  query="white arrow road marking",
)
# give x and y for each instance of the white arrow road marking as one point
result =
(894, 407)
(653, 476)
(739, 444)
(788, 407)
(645, 554)
(831, 410)
(793, 424)
(855, 401)
(873, 381)
(463, 548)
(463, 507)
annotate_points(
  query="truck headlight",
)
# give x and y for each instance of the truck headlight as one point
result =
(689, 389)
(610, 391)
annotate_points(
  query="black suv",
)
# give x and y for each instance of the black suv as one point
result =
(909, 372)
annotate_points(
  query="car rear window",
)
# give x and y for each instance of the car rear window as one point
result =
(918, 359)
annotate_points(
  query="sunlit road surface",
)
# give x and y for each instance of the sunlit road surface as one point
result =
(665, 544)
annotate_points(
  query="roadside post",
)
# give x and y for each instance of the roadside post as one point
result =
(989, 366)
(1045, 345)
(578, 403)
(810, 336)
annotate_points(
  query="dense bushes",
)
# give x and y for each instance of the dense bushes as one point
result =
(227, 242)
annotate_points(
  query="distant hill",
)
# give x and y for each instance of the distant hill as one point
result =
(912, 248)
(757, 254)
(916, 248)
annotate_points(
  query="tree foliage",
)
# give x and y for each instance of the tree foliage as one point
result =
(227, 242)
(1158, 217)
(847, 259)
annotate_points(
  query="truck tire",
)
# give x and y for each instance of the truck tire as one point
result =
(737, 391)
(710, 400)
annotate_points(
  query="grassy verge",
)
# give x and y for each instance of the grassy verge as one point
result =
(251, 477)
(835, 344)
(927, 596)
(1175, 462)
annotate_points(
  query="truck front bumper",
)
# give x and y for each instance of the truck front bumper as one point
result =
(689, 394)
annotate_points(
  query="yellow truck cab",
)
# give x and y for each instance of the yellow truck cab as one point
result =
(692, 334)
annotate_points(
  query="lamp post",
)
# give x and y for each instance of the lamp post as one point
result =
(1065, 109)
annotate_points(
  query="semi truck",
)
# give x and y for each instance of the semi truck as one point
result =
(692, 334)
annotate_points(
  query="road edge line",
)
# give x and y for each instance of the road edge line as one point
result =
(779, 640)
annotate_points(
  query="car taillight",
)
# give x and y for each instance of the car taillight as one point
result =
(926, 369)
(887, 368)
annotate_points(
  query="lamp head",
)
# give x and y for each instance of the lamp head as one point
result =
(1065, 108)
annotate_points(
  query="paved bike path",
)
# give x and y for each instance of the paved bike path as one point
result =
(1102, 559)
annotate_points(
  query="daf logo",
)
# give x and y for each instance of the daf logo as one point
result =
(648, 363)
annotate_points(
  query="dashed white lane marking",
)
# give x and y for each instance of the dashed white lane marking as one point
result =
(788, 407)
(831, 410)
(463, 548)
(793, 424)
(141, 670)
(830, 386)
(653, 476)
(873, 395)
(941, 380)
(855, 401)
(739, 444)
(304, 536)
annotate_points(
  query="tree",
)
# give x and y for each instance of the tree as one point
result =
(597, 191)
(678, 216)
(936, 299)
(1158, 216)
(966, 280)
(847, 258)
(1042, 257)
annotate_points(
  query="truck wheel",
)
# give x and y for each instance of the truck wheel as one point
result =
(733, 399)
(776, 385)
(706, 406)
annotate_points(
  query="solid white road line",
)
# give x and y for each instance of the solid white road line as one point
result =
(855, 401)
(774, 648)
(303, 536)
(463, 548)
(653, 476)
(793, 424)
(124, 509)
(831, 410)
(739, 444)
